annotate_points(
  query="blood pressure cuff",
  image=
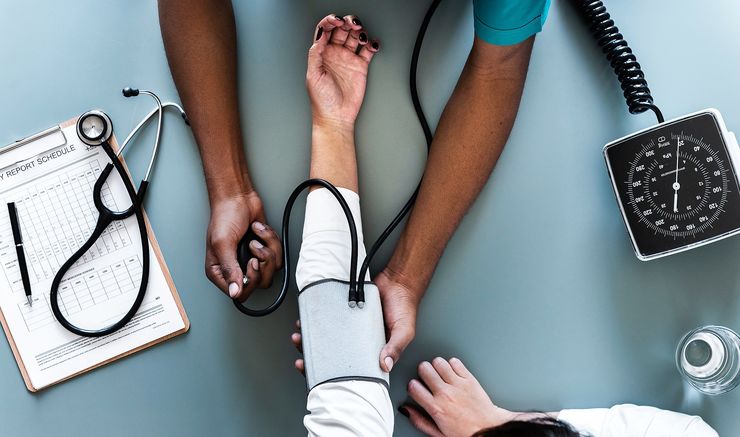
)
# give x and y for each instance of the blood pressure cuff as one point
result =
(341, 343)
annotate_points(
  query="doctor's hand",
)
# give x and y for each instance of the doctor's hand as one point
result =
(337, 70)
(400, 304)
(230, 219)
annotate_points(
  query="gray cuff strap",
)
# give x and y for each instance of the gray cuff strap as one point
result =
(341, 343)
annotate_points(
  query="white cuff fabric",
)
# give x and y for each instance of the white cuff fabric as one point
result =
(326, 247)
(636, 421)
(349, 408)
(588, 421)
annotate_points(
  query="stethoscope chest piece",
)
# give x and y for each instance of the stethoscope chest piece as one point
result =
(94, 127)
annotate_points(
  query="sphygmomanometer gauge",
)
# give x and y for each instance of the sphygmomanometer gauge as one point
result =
(676, 184)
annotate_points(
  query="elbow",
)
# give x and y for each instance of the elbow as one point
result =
(499, 62)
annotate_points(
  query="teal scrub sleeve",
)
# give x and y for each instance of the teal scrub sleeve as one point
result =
(507, 22)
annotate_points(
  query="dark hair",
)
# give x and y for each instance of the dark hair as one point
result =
(539, 427)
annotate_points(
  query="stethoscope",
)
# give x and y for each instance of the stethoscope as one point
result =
(94, 128)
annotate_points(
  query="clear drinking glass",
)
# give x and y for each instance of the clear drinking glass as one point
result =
(709, 359)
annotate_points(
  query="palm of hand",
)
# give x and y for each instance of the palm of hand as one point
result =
(337, 85)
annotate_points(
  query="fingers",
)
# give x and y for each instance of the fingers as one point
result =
(421, 421)
(297, 341)
(431, 378)
(401, 334)
(254, 277)
(460, 368)
(269, 254)
(367, 51)
(271, 239)
(341, 33)
(356, 39)
(444, 369)
(421, 395)
(323, 31)
(322, 34)
(222, 267)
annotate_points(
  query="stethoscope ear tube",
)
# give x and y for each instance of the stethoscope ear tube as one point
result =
(105, 218)
(354, 298)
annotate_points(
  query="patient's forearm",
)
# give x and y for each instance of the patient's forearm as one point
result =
(200, 40)
(471, 134)
(333, 155)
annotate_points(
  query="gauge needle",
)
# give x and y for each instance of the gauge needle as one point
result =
(676, 185)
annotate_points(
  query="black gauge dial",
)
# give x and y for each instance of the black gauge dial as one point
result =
(676, 185)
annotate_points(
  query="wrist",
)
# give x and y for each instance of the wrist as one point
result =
(411, 268)
(228, 187)
(413, 289)
(332, 128)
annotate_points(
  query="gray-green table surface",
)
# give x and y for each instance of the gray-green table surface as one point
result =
(538, 292)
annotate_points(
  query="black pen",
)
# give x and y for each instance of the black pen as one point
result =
(18, 239)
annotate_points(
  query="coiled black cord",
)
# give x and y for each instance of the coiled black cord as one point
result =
(353, 293)
(620, 56)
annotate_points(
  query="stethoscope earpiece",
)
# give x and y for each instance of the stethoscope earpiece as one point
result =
(130, 92)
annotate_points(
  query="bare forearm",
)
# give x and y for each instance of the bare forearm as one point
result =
(469, 139)
(333, 155)
(200, 40)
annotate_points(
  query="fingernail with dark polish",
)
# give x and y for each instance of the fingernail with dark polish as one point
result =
(376, 46)
(319, 33)
(403, 411)
(337, 17)
(356, 22)
(363, 37)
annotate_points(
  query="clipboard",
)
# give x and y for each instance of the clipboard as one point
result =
(157, 256)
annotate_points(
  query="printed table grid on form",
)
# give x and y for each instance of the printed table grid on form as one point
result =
(83, 291)
(50, 238)
(57, 214)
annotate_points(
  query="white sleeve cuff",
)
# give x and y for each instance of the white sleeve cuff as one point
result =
(634, 420)
(323, 212)
(326, 248)
(588, 421)
(349, 408)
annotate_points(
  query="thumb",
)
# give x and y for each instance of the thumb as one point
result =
(230, 269)
(420, 421)
(401, 334)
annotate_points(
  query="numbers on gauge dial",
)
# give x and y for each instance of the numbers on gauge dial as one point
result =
(677, 185)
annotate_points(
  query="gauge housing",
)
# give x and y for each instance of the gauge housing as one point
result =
(702, 206)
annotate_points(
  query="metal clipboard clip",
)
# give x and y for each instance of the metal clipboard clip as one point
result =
(54, 135)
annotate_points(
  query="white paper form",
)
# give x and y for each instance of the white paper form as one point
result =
(51, 181)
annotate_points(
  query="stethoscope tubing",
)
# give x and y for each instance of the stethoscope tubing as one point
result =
(354, 299)
(105, 218)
